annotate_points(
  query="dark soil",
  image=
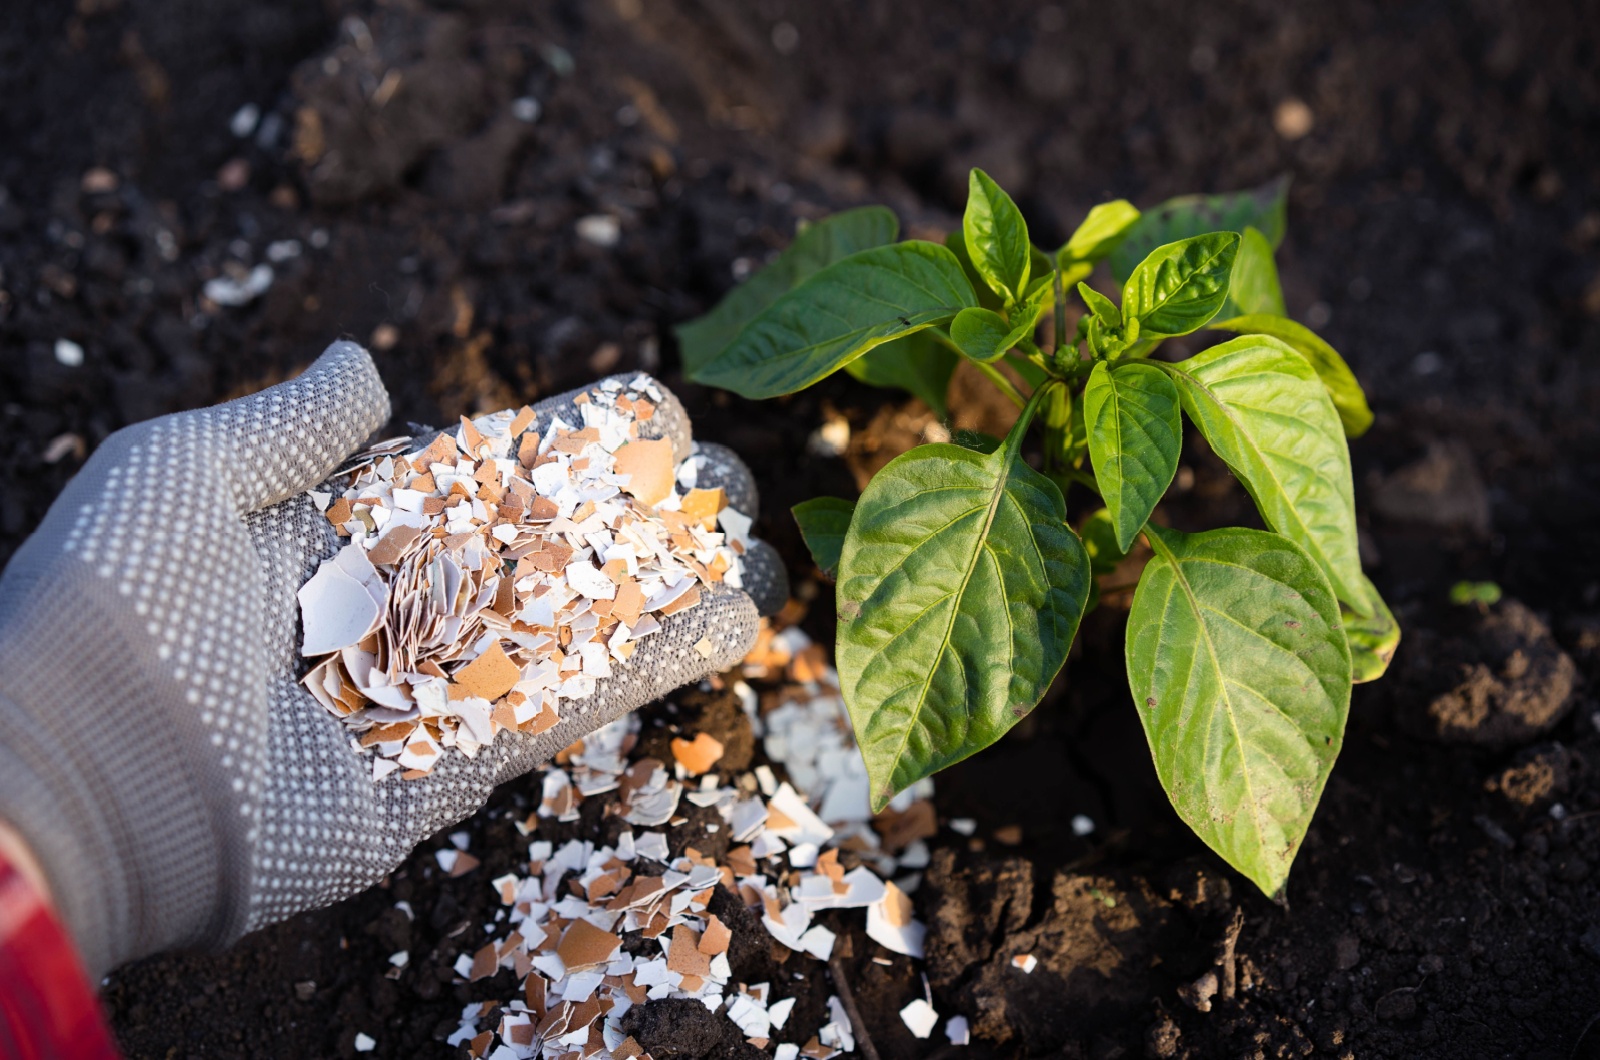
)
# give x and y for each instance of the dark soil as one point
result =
(1444, 223)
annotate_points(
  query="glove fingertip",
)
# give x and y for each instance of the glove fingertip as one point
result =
(288, 437)
(766, 580)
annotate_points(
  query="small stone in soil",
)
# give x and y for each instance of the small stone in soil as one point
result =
(1398, 1005)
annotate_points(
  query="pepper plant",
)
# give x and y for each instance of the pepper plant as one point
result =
(960, 581)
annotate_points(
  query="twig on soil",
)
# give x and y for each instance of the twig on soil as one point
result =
(1225, 954)
(857, 1024)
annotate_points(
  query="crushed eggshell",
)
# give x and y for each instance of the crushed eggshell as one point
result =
(920, 1018)
(648, 467)
(703, 506)
(697, 756)
(890, 923)
(592, 929)
(1027, 962)
(584, 946)
(495, 572)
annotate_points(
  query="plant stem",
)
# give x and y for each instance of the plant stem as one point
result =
(1034, 355)
(1060, 315)
(1016, 396)
(1019, 429)
(1002, 383)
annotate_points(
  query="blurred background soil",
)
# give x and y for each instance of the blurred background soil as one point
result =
(503, 200)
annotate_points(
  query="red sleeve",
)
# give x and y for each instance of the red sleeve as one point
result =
(47, 1006)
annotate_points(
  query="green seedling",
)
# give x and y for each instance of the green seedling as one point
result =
(1482, 595)
(961, 583)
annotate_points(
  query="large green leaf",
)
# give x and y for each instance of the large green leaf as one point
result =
(823, 523)
(977, 441)
(1241, 676)
(1100, 233)
(997, 237)
(915, 364)
(1265, 413)
(960, 590)
(815, 247)
(1135, 436)
(1255, 287)
(1373, 640)
(1192, 215)
(985, 335)
(1346, 393)
(837, 315)
(1181, 285)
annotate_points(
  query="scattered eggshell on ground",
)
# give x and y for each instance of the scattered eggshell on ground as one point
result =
(920, 1018)
(593, 929)
(697, 756)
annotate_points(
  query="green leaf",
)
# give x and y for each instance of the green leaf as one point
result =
(960, 590)
(915, 364)
(1241, 676)
(1255, 287)
(837, 315)
(1102, 307)
(1192, 215)
(1135, 436)
(977, 441)
(1483, 594)
(824, 521)
(1101, 233)
(985, 336)
(997, 237)
(1372, 640)
(1265, 413)
(1181, 285)
(957, 244)
(815, 247)
(1346, 393)
(1099, 534)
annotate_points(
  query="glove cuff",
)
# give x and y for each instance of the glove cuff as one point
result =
(72, 843)
(138, 859)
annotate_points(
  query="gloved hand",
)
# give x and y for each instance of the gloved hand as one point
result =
(157, 751)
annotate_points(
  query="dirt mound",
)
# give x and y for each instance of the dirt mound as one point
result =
(1500, 683)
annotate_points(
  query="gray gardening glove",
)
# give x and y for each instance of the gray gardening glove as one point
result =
(157, 751)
